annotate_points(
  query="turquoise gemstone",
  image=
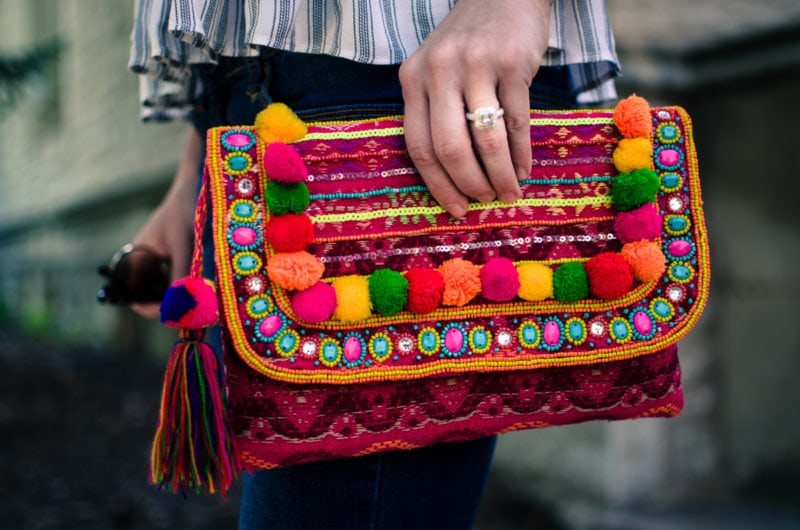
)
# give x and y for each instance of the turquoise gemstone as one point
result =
(661, 309)
(380, 347)
(237, 163)
(288, 342)
(428, 341)
(330, 352)
(247, 263)
(681, 272)
(479, 339)
(576, 331)
(620, 330)
(669, 132)
(677, 224)
(258, 306)
(529, 334)
(670, 180)
(243, 209)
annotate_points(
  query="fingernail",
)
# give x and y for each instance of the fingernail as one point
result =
(456, 210)
(522, 174)
(489, 197)
(509, 196)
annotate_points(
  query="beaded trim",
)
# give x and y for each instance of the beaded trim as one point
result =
(673, 305)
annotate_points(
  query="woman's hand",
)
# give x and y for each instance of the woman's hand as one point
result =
(483, 54)
(169, 229)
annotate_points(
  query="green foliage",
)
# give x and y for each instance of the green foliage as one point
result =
(16, 72)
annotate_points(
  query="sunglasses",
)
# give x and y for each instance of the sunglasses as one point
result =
(135, 274)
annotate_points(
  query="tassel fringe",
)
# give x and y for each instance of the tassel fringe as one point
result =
(193, 446)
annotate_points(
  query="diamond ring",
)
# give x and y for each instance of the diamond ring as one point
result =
(485, 117)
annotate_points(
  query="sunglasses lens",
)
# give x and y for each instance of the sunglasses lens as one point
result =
(137, 276)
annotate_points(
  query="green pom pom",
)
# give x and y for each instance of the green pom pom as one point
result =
(388, 291)
(286, 198)
(631, 190)
(570, 283)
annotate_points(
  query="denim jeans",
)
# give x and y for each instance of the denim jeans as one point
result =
(436, 487)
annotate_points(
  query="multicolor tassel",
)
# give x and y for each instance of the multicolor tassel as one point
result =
(193, 444)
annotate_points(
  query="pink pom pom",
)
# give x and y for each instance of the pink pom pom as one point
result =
(190, 303)
(636, 225)
(499, 280)
(283, 164)
(315, 304)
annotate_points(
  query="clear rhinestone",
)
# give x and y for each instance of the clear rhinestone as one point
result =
(309, 348)
(245, 187)
(597, 329)
(664, 115)
(675, 293)
(255, 284)
(675, 204)
(504, 338)
(405, 344)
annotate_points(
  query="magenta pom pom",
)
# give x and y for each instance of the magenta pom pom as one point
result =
(283, 164)
(315, 304)
(636, 225)
(190, 303)
(499, 280)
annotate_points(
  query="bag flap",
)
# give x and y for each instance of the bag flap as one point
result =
(370, 211)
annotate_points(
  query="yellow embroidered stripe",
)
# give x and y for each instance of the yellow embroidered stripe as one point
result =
(602, 200)
(391, 131)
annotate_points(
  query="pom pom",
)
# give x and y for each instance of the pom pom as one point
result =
(631, 190)
(646, 260)
(570, 283)
(294, 271)
(610, 276)
(190, 303)
(388, 291)
(632, 117)
(535, 281)
(425, 290)
(633, 153)
(352, 295)
(289, 232)
(277, 123)
(499, 280)
(641, 223)
(462, 281)
(315, 304)
(285, 198)
(283, 164)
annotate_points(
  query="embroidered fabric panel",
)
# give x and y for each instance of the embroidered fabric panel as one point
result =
(370, 211)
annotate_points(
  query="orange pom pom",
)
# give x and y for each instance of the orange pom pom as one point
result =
(632, 117)
(632, 154)
(277, 123)
(462, 281)
(645, 259)
(294, 270)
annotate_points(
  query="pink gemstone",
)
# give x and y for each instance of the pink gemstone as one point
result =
(552, 333)
(454, 340)
(238, 139)
(245, 236)
(679, 248)
(669, 157)
(642, 323)
(352, 349)
(270, 325)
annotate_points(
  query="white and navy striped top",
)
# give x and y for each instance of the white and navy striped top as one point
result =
(170, 35)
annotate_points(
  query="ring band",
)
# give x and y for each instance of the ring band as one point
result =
(485, 117)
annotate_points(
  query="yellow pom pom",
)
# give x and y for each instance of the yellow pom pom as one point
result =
(633, 153)
(535, 281)
(277, 123)
(352, 298)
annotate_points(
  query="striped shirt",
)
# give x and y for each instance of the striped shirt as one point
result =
(170, 35)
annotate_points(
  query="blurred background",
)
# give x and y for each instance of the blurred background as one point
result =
(79, 383)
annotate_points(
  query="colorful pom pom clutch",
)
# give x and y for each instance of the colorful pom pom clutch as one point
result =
(358, 316)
